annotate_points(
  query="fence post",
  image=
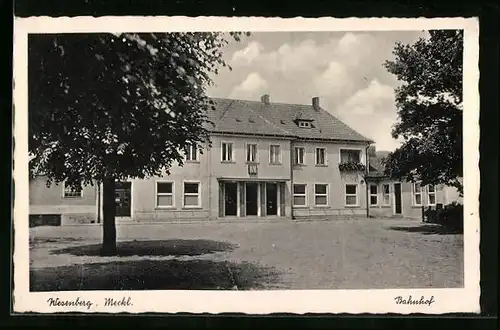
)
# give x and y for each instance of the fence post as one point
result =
(423, 214)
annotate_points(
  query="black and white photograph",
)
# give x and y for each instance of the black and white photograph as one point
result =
(230, 168)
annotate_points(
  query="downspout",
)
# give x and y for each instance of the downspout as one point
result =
(366, 183)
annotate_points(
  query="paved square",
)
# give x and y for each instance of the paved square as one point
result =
(348, 254)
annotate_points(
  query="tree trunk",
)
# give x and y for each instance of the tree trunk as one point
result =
(108, 221)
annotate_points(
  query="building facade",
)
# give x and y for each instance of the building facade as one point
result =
(266, 161)
(400, 198)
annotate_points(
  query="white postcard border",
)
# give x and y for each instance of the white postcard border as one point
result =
(253, 302)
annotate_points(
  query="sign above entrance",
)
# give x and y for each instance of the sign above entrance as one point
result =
(252, 169)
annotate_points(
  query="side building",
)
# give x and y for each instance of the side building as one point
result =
(266, 161)
(400, 198)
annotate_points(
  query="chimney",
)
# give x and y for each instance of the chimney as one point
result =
(265, 99)
(315, 103)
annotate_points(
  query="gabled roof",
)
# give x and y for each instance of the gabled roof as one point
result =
(278, 119)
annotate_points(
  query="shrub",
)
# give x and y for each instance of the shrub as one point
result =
(451, 216)
(350, 166)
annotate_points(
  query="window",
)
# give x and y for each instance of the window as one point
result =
(347, 155)
(299, 155)
(417, 194)
(192, 153)
(431, 194)
(164, 194)
(299, 195)
(386, 194)
(320, 156)
(227, 152)
(304, 124)
(251, 153)
(275, 154)
(351, 194)
(320, 194)
(373, 194)
(191, 194)
(71, 192)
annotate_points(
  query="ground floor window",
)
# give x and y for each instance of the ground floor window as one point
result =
(431, 194)
(373, 194)
(299, 195)
(386, 194)
(417, 194)
(351, 194)
(164, 194)
(192, 194)
(320, 194)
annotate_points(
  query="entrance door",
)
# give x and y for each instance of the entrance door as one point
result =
(123, 199)
(252, 198)
(397, 198)
(230, 198)
(271, 199)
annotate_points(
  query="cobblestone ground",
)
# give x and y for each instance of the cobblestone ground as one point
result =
(350, 254)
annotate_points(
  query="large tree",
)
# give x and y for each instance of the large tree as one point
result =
(109, 107)
(429, 105)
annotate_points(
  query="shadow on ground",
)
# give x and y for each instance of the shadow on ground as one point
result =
(154, 275)
(177, 247)
(428, 230)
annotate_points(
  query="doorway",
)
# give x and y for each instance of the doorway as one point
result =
(271, 199)
(397, 199)
(123, 199)
(230, 199)
(252, 198)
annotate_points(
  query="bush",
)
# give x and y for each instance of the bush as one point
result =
(451, 215)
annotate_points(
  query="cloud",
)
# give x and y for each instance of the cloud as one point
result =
(247, 55)
(344, 69)
(253, 85)
(375, 98)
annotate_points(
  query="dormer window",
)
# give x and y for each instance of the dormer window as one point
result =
(304, 123)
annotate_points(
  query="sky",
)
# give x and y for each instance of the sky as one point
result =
(343, 69)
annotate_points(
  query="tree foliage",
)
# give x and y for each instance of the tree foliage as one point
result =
(120, 106)
(110, 107)
(429, 105)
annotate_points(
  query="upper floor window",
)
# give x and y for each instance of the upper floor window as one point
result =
(350, 155)
(251, 153)
(192, 153)
(227, 151)
(417, 194)
(431, 194)
(320, 156)
(300, 155)
(72, 192)
(275, 154)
